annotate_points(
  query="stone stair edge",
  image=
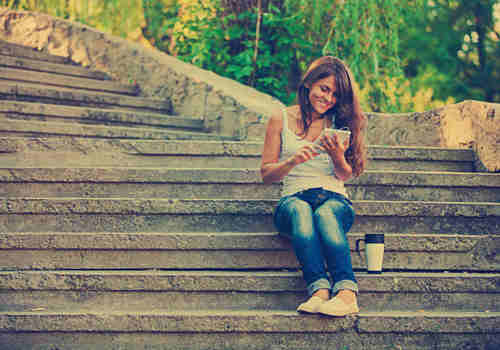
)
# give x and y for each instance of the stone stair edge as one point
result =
(99, 131)
(56, 110)
(401, 242)
(165, 272)
(112, 118)
(26, 63)
(142, 206)
(232, 281)
(250, 321)
(131, 174)
(211, 147)
(78, 96)
(16, 50)
(52, 79)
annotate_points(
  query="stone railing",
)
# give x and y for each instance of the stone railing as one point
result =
(232, 109)
(469, 124)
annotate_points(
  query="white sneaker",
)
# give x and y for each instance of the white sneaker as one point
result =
(311, 306)
(337, 307)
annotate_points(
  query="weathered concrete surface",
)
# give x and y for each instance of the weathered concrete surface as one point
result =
(238, 281)
(21, 75)
(142, 206)
(44, 112)
(233, 223)
(475, 124)
(55, 95)
(404, 128)
(227, 106)
(38, 259)
(251, 321)
(48, 67)
(195, 290)
(81, 152)
(469, 124)
(233, 176)
(164, 300)
(75, 158)
(248, 341)
(174, 190)
(210, 148)
(30, 128)
(231, 251)
(228, 241)
(108, 182)
(28, 52)
(141, 147)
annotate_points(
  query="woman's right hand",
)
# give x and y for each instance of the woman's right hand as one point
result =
(306, 153)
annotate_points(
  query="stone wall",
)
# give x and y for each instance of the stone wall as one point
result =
(469, 124)
(477, 125)
(232, 109)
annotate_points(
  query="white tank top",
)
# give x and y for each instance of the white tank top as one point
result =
(317, 172)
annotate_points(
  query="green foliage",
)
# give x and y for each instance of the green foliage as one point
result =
(454, 49)
(366, 36)
(225, 44)
(406, 56)
(160, 17)
(117, 17)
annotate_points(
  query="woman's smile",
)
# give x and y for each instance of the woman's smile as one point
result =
(323, 95)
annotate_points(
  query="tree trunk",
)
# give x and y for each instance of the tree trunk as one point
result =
(251, 79)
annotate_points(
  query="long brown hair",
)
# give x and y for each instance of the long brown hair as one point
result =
(347, 110)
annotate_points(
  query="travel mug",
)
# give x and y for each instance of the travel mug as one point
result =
(374, 251)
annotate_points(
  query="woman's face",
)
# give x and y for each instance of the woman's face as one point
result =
(322, 94)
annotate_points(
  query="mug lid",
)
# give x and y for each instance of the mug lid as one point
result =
(374, 238)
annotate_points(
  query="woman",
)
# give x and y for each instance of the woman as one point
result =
(314, 212)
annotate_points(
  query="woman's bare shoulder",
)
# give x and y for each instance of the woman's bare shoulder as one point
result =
(293, 111)
(276, 119)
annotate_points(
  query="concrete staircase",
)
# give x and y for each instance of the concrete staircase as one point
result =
(113, 239)
(43, 95)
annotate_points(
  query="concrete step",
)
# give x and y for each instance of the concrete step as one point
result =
(114, 182)
(49, 67)
(30, 92)
(15, 110)
(19, 51)
(220, 215)
(231, 250)
(81, 329)
(11, 127)
(44, 79)
(20, 151)
(236, 290)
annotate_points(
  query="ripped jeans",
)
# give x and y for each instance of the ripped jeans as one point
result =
(317, 221)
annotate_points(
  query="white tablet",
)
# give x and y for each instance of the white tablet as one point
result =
(342, 135)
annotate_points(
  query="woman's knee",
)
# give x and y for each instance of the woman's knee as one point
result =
(298, 207)
(335, 210)
(298, 216)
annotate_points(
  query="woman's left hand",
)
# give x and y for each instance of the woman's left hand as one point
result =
(334, 147)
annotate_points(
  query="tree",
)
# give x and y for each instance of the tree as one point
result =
(454, 49)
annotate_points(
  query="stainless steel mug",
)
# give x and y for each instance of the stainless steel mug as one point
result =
(374, 251)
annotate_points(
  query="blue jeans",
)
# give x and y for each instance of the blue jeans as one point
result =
(317, 221)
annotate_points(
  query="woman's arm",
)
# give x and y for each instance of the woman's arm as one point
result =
(271, 169)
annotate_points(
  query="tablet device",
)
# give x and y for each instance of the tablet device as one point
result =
(342, 134)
